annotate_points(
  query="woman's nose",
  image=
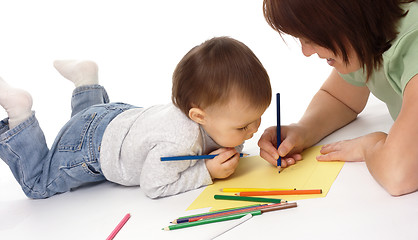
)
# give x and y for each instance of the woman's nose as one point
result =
(307, 49)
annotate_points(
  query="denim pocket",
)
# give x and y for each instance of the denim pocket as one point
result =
(74, 136)
(73, 176)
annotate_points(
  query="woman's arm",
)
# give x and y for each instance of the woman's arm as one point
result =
(336, 104)
(391, 158)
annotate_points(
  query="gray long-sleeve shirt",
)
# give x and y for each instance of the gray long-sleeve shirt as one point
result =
(135, 140)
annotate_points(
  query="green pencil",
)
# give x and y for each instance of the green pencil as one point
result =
(250, 199)
(211, 220)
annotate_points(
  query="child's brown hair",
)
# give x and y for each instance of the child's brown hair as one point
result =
(211, 71)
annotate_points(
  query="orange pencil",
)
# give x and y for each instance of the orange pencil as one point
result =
(286, 192)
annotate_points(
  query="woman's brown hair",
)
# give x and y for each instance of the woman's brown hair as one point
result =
(368, 26)
(211, 71)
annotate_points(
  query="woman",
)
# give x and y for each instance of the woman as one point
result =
(373, 47)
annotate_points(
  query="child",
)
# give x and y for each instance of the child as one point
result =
(373, 47)
(220, 90)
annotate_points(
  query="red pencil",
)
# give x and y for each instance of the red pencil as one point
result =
(286, 192)
(119, 226)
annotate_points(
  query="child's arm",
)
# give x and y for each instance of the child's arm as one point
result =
(391, 158)
(165, 178)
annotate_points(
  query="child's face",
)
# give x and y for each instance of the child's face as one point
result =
(309, 48)
(231, 124)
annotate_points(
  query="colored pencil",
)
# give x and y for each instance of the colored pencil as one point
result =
(233, 225)
(210, 220)
(118, 227)
(291, 192)
(279, 207)
(218, 211)
(250, 199)
(230, 217)
(194, 157)
(201, 215)
(278, 132)
(198, 218)
(254, 189)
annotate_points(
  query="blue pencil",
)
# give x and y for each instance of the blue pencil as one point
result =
(196, 157)
(279, 133)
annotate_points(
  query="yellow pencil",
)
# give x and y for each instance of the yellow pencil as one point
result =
(253, 189)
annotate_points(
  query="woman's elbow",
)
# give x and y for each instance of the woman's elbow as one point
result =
(402, 182)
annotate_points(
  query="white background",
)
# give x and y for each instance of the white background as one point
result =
(137, 45)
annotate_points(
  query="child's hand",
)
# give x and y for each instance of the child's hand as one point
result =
(224, 164)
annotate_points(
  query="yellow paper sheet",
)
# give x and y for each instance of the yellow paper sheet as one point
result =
(255, 172)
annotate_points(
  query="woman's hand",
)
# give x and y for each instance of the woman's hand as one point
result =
(353, 150)
(289, 149)
(224, 164)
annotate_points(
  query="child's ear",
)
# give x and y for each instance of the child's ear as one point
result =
(197, 115)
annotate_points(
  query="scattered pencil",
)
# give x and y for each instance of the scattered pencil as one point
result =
(196, 157)
(230, 217)
(202, 215)
(268, 206)
(286, 192)
(210, 220)
(119, 227)
(279, 207)
(250, 199)
(254, 189)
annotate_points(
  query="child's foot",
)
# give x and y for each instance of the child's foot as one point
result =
(79, 72)
(16, 102)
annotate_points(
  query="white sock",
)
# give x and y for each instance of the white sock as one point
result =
(79, 72)
(16, 102)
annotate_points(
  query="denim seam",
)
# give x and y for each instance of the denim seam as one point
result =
(67, 148)
(91, 134)
(14, 131)
(83, 89)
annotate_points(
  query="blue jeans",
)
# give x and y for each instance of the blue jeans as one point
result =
(73, 159)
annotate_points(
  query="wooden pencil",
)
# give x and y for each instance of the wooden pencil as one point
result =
(194, 157)
(186, 218)
(279, 207)
(291, 192)
(269, 206)
(210, 220)
(119, 227)
(254, 189)
(278, 132)
(230, 217)
(250, 199)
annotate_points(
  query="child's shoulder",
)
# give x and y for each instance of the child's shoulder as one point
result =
(170, 120)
